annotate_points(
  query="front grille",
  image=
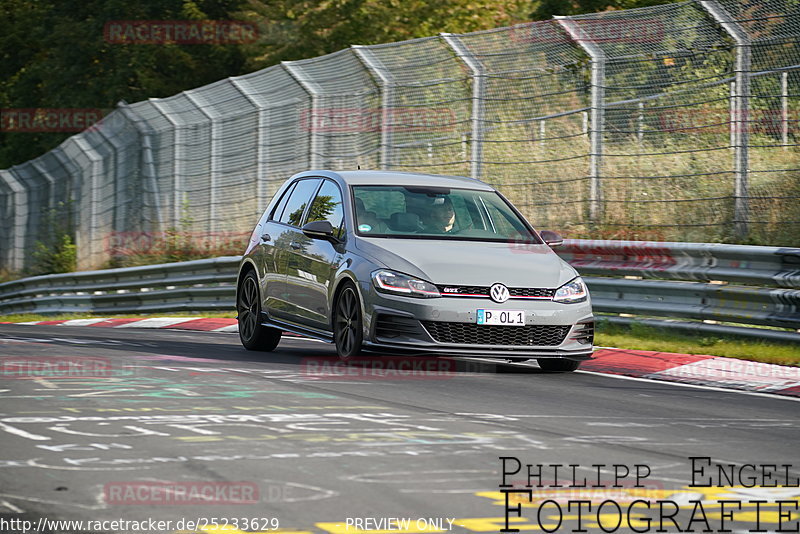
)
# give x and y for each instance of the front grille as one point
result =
(395, 325)
(531, 292)
(514, 292)
(475, 334)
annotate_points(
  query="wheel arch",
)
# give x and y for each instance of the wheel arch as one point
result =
(246, 266)
(341, 281)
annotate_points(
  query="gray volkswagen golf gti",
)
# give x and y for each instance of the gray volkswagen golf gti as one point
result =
(397, 261)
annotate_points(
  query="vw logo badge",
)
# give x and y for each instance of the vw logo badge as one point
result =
(499, 293)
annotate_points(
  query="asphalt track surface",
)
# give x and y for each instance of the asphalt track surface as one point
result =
(190, 426)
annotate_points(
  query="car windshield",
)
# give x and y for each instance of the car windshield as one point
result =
(437, 213)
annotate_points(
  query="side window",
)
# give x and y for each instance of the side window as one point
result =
(296, 205)
(276, 214)
(327, 206)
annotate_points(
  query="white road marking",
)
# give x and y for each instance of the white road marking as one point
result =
(81, 322)
(11, 507)
(156, 322)
(21, 433)
(695, 386)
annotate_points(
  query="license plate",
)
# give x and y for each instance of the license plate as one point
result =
(502, 317)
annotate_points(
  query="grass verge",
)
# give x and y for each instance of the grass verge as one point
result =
(643, 337)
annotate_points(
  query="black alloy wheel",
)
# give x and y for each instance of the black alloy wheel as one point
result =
(252, 333)
(348, 330)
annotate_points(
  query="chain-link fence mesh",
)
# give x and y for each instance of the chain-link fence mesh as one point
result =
(673, 122)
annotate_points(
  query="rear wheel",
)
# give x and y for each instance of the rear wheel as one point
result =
(348, 332)
(252, 333)
(558, 365)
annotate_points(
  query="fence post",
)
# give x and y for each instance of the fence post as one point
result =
(95, 171)
(310, 87)
(149, 173)
(598, 57)
(177, 157)
(262, 152)
(741, 110)
(478, 91)
(785, 110)
(121, 196)
(640, 124)
(214, 163)
(384, 78)
(16, 261)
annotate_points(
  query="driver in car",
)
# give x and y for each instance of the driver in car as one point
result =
(442, 217)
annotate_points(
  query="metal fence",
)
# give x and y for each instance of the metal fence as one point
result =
(660, 281)
(674, 122)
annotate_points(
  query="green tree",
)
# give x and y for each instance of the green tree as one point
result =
(297, 29)
(53, 55)
(545, 9)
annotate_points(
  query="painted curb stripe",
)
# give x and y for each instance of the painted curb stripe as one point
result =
(705, 370)
(734, 373)
(81, 322)
(206, 325)
(156, 322)
(638, 362)
(113, 323)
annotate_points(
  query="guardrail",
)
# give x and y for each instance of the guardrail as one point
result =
(198, 285)
(639, 289)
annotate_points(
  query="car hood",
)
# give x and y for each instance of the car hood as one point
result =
(470, 262)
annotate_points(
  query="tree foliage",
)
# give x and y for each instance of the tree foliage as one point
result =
(53, 53)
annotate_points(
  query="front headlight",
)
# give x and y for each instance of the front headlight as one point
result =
(401, 284)
(571, 292)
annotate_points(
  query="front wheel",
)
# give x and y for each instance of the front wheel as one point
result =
(252, 333)
(348, 332)
(558, 365)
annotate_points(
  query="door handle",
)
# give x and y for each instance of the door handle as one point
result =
(265, 238)
(295, 245)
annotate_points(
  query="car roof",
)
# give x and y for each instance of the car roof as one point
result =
(401, 178)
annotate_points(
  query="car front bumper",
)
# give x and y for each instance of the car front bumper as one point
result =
(448, 325)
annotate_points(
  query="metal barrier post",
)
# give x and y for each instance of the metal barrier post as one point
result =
(384, 78)
(95, 172)
(478, 90)
(214, 153)
(598, 57)
(741, 107)
(311, 88)
(262, 151)
(785, 110)
(177, 157)
(147, 160)
(17, 256)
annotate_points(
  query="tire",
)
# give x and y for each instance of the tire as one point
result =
(348, 330)
(252, 333)
(558, 365)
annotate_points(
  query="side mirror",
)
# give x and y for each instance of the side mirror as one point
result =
(551, 238)
(319, 230)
